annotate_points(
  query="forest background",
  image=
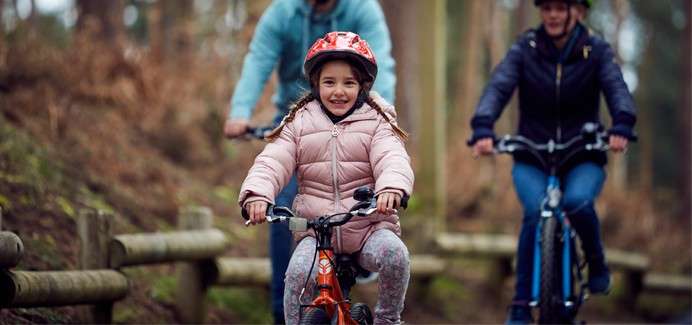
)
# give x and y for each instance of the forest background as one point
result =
(119, 105)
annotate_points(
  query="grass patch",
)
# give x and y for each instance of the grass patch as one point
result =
(251, 305)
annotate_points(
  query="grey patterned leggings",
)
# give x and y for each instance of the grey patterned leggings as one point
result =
(383, 252)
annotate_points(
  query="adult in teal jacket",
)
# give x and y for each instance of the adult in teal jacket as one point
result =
(282, 37)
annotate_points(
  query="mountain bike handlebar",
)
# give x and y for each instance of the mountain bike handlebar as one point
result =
(591, 138)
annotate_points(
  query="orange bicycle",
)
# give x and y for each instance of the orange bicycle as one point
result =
(336, 273)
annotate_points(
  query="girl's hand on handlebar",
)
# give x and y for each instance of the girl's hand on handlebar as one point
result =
(257, 211)
(387, 202)
(617, 143)
(234, 128)
(483, 147)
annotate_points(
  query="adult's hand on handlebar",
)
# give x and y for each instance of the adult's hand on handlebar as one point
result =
(483, 147)
(617, 143)
(234, 128)
(257, 211)
(387, 202)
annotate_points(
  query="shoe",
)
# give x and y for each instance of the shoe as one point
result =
(519, 315)
(599, 277)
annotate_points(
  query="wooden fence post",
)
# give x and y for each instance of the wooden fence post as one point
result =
(94, 228)
(191, 285)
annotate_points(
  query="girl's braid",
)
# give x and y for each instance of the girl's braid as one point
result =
(401, 133)
(274, 134)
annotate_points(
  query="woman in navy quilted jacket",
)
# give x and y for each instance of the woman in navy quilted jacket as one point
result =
(560, 69)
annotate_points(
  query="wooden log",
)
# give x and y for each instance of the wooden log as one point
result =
(11, 249)
(256, 271)
(192, 287)
(137, 249)
(479, 245)
(94, 229)
(668, 284)
(60, 288)
(425, 266)
(505, 246)
(622, 260)
(239, 271)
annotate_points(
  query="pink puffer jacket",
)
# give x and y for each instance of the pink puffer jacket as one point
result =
(331, 161)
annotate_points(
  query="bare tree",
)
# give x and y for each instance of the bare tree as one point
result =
(686, 106)
(103, 18)
(618, 164)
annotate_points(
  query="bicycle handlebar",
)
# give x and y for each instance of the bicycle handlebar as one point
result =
(592, 138)
(367, 204)
(258, 132)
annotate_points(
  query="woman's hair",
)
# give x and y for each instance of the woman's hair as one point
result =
(310, 96)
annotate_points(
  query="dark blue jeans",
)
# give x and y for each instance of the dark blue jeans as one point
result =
(280, 248)
(580, 186)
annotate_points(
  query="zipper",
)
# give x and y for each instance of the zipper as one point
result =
(337, 196)
(558, 81)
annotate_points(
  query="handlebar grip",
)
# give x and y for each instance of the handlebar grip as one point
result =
(404, 201)
(246, 216)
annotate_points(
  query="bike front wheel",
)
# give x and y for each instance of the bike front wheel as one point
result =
(550, 307)
(315, 316)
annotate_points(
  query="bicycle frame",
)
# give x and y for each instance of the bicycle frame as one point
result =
(331, 297)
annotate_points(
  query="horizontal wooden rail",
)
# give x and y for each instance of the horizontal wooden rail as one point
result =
(137, 249)
(256, 271)
(668, 283)
(60, 288)
(505, 246)
(481, 245)
(11, 249)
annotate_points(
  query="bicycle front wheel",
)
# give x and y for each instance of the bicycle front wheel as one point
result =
(550, 307)
(315, 316)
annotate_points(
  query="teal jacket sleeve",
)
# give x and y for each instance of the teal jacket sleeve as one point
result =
(264, 53)
(373, 28)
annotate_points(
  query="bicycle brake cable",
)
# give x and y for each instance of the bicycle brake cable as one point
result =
(307, 279)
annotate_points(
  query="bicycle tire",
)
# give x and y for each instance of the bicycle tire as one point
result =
(315, 316)
(361, 313)
(549, 304)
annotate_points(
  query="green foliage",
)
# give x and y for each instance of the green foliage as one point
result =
(252, 304)
(44, 248)
(446, 295)
(225, 193)
(163, 289)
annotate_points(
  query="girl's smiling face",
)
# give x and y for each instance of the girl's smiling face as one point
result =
(338, 87)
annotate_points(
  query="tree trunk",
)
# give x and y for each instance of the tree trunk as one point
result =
(686, 106)
(470, 73)
(156, 31)
(402, 22)
(618, 164)
(175, 32)
(104, 19)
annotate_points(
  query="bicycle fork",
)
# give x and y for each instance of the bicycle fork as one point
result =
(554, 195)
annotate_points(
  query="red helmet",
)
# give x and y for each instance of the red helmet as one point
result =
(341, 45)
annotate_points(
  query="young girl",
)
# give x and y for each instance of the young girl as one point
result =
(338, 138)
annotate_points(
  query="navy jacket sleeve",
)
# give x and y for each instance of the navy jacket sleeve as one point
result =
(496, 94)
(617, 96)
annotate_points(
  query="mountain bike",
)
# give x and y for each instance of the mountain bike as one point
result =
(336, 273)
(558, 284)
